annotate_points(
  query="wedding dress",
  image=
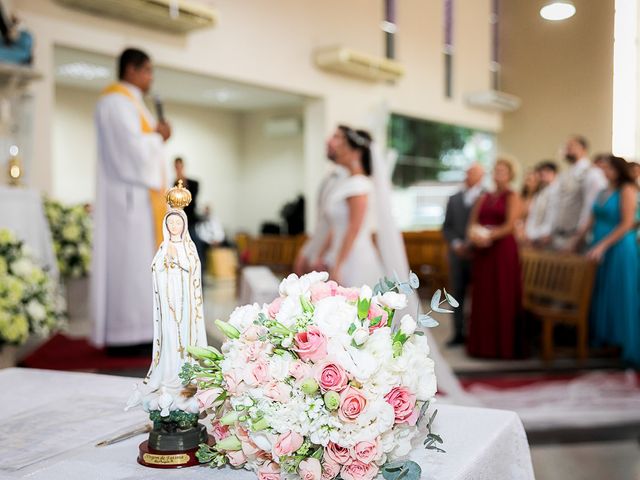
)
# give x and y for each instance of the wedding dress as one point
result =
(363, 265)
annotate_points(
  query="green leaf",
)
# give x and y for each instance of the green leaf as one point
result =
(408, 471)
(307, 306)
(452, 301)
(352, 328)
(363, 308)
(376, 321)
(427, 321)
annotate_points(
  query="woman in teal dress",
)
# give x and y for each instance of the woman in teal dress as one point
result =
(615, 307)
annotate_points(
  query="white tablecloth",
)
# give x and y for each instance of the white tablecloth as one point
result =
(480, 443)
(22, 213)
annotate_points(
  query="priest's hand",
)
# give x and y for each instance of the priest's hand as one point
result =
(164, 129)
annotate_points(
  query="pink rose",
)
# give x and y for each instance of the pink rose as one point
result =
(274, 307)
(207, 397)
(359, 471)
(299, 369)
(351, 294)
(330, 469)
(311, 345)
(258, 373)
(252, 333)
(232, 382)
(254, 351)
(278, 391)
(269, 471)
(331, 376)
(352, 404)
(236, 459)
(219, 431)
(242, 434)
(310, 469)
(338, 454)
(323, 290)
(376, 311)
(404, 405)
(287, 443)
(366, 452)
(249, 448)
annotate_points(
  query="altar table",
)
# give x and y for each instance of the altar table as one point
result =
(481, 444)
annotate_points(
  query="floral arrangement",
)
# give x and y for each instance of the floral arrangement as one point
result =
(29, 301)
(325, 382)
(72, 236)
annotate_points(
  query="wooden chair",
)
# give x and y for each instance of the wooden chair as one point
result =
(277, 252)
(557, 289)
(427, 255)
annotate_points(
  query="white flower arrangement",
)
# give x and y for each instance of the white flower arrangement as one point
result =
(71, 231)
(321, 383)
(29, 301)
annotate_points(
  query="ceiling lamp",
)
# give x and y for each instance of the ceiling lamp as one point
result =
(558, 10)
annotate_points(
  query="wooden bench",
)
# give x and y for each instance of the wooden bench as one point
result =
(557, 289)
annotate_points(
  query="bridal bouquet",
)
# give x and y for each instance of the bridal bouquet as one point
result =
(72, 235)
(29, 302)
(324, 382)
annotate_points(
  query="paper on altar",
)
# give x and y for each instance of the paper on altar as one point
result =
(52, 429)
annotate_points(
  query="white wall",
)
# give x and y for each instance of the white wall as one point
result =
(246, 175)
(272, 169)
(271, 44)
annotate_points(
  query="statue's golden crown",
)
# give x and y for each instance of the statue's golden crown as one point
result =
(178, 197)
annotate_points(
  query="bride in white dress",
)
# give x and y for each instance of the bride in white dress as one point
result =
(350, 253)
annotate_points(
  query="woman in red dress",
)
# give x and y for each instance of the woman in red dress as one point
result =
(495, 326)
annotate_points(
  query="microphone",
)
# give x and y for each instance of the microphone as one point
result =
(157, 101)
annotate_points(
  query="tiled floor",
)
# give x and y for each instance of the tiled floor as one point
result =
(616, 460)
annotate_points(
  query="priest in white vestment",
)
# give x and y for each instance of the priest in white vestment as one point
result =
(131, 181)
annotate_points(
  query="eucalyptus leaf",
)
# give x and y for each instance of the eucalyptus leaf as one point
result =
(435, 300)
(408, 471)
(427, 321)
(414, 281)
(405, 288)
(441, 310)
(452, 301)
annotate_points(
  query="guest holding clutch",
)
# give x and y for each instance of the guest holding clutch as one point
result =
(496, 323)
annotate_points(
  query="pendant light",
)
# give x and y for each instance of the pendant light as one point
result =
(557, 10)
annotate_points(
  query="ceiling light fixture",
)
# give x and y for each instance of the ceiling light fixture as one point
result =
(558, 10)
(84, 71)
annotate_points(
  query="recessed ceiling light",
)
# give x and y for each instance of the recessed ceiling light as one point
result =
(84, 71)
(558, 10)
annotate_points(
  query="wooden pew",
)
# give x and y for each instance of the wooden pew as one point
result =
(557, 289)
(427, 255)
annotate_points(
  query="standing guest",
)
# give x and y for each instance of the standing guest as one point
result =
(129, 209)
(496, 323)
(530, 187)
(454, 230)
(191, 212)
(209, 228)
(309, 258)
(538, 224)
(578, 187)
(615, 309)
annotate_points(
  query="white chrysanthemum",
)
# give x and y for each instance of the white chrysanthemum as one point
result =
(22, 267)
(242, 317)
(36, 310)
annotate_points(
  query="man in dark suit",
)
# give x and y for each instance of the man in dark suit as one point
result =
(191, 211)
(454, 230)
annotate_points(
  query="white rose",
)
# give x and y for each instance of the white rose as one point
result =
(22, 267)
(36, 311)
(289, 310)
(379, 345)
(243, 317)
(333, 315)
(393, 300)
(360, 335)
(279, 366)
(366, 293)
(408, 325)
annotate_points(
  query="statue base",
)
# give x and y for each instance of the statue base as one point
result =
(150, 457)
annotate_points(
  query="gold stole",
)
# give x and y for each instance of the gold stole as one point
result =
(157, 197)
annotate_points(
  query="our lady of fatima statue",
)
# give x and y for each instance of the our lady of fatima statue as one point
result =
(178, 317)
